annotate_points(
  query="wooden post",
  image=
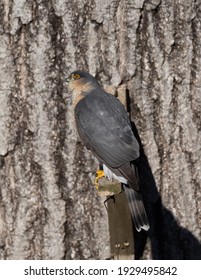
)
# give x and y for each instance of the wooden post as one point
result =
(120, 221)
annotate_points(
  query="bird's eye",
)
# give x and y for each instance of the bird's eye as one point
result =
(76, 76)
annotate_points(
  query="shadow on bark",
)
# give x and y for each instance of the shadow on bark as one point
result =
(169, 241)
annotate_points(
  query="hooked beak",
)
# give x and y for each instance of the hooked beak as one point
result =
(67, 80)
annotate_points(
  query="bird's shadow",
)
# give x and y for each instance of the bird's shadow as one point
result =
(169, 241)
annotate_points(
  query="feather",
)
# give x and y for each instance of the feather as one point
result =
(104, 127)
(137, 209)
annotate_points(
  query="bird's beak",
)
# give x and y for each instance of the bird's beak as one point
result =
(67, 80)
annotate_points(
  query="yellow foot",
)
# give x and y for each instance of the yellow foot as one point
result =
(99, 174)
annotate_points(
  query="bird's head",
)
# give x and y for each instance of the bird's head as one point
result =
(80, 82)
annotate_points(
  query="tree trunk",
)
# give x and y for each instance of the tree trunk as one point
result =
(48, 206)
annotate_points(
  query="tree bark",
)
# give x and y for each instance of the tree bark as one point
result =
(48, 206)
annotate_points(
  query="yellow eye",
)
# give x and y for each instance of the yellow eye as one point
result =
(76, 76)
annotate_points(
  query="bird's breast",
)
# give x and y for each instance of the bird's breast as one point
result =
(77, 97)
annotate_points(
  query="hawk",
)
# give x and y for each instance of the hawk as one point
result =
(105, 129)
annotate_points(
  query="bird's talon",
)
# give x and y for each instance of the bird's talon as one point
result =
(99, 174)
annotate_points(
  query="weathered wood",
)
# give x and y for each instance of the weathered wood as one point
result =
(119, 218)
(121, 229)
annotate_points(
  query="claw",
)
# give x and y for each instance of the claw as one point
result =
(99, 174)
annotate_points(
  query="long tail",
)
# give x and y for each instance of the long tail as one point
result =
(137, 209)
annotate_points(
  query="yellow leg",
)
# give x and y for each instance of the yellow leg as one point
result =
(99, 174)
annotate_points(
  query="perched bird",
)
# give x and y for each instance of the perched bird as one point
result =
(104, 128)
